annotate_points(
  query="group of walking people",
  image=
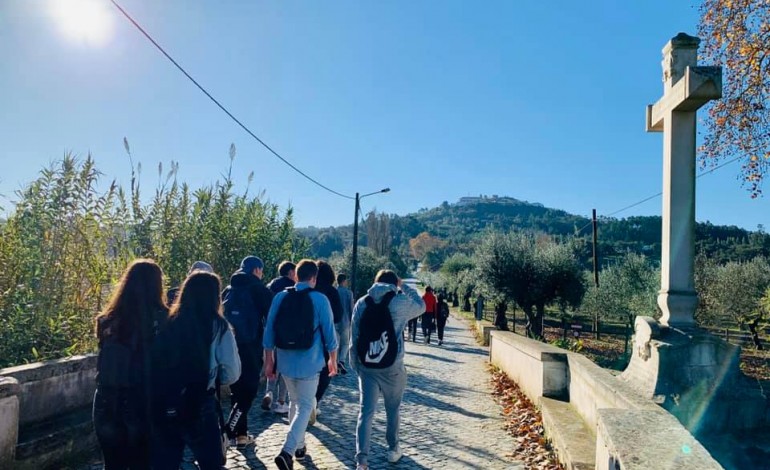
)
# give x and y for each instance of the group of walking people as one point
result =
(163, 358)
(433, 319)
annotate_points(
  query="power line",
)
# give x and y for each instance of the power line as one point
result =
(214, 100)
(660, 193)
(656, 195)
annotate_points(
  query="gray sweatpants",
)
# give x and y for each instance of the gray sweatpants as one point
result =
(372, 383)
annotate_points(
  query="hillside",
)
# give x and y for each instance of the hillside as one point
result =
(459, 223)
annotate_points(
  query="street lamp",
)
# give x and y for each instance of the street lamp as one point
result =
(354, 264)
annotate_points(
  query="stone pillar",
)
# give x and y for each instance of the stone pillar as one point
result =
(9, 420)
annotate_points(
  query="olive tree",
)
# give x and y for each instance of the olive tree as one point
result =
(534, 272)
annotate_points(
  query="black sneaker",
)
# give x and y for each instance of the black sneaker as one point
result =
(300, 453)
(341, 368)
(284, 461)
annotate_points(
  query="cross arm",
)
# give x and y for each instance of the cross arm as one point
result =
(698, 86)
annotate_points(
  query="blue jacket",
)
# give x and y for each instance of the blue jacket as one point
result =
(301, 364)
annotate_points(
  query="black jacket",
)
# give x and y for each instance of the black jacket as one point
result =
(280, 284)
(334, 299)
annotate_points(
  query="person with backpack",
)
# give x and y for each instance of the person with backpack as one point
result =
(325, 285)
(246, 303)
(126, 331)
(197, 353)
(429, 316)
(300, 330)
(287, 277)
(378, 320)
(442, 314)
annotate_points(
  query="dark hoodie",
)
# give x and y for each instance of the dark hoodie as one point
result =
(260, 295)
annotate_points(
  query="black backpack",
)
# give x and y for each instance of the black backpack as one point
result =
(294, 325)
(377, 344)
(242, 314)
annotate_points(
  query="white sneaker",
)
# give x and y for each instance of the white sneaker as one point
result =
(313, 412)
(394, 455)
(317, 411)
(280, 408)
(362, 467)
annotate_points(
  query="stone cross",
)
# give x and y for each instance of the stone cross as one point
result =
(686, 87)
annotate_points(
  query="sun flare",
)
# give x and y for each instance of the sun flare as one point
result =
(88, 21)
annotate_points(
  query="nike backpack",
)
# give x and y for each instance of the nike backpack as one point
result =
(377, 345)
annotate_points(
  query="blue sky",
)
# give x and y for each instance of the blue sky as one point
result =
(542, 101)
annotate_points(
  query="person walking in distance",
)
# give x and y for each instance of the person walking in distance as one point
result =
(197, 352)
(346, 298)
(126, 331)
(275, 390)
(300, 331)
(246, 303)
(325, 285)
(378, 357)
(429, 316)
(442, 314)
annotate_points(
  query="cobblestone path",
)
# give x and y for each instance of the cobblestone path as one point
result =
(448, 418)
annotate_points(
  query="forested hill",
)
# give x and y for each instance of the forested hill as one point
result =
(456, 225)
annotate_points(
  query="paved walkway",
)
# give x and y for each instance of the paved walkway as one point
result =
(448, 418)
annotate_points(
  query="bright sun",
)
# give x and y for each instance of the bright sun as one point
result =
(84, 20)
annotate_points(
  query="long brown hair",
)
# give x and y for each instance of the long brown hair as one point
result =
(196, 316)
(136, 303)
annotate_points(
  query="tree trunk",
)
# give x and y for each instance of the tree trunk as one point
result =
(455, 301)
(467, 303)
(538, 323)
(534, 322)
(501, 322)
(754, 334)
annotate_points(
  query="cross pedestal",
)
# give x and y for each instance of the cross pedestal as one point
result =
(688, 371)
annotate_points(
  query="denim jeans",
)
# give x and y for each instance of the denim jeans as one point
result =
(372, 383)
(201, 434)
(302, 393)
(277, 387)
(343, 334)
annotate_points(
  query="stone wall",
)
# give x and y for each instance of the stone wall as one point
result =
(629, 431)
(34, 399)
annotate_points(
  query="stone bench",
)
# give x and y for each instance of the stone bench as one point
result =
(485, 328)
(51, 420)
(540, 369)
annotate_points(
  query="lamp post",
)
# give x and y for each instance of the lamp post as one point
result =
(354, 264)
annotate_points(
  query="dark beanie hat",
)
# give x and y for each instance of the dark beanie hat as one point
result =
(250, 263)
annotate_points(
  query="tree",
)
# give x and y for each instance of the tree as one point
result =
(736, 33)
(534, 272)
(626, 290)
(735, 292)
(378, 233)
(368, 265)
(425, 244)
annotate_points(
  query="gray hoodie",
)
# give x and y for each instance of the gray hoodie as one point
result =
(403, 307)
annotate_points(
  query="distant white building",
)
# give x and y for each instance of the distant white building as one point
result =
(495, 199)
